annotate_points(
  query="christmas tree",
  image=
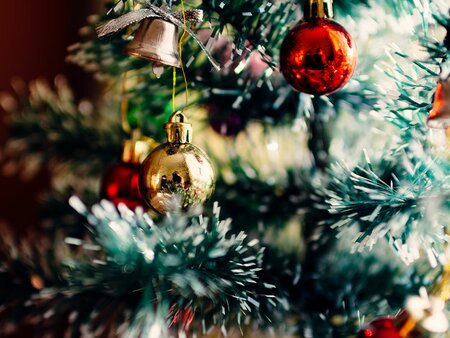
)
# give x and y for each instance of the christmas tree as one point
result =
(253, 168)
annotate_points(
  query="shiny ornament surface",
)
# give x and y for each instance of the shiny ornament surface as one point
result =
(156, 40)
(120, 184)
(318, 56)
(380, 328)
(439, 116)
(176, 169)
(177, 173)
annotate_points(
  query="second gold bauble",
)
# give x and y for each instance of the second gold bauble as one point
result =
(177, 173)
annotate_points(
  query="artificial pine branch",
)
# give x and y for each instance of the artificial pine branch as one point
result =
(404, 198)
(152, 271)
(248, 29)
(407, 204)
(49, 127)
(192, 262)
(438, 50)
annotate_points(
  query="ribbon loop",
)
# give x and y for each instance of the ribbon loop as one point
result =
(151, 11)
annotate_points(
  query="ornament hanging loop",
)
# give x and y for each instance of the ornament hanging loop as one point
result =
(178, 129)
(177, 117)
(318, 9)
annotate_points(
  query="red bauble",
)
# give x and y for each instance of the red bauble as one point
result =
(120, 184)
(439, 116)
(380, 328)
(318, 56)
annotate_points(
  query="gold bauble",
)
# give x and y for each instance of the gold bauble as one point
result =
(177, 173)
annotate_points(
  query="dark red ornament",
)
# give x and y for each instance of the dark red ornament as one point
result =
(383, 327)
(225, 120)
(318, 56)
(120, 184)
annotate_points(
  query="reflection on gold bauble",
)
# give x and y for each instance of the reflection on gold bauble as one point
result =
(177, 173)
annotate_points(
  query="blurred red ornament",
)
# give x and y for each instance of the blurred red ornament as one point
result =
(439, 116)
(380, 328)
(225, 120)
(423, 316)
(120, 183)
(318, 56)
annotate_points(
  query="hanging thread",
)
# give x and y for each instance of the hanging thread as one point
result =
(124, 105)
(124, 98)
(174, 87)
(180, 50)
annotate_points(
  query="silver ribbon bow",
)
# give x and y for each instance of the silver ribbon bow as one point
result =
(152, 11)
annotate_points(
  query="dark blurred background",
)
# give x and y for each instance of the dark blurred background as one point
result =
(34, 36)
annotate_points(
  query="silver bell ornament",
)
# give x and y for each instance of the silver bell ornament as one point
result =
(156, 40)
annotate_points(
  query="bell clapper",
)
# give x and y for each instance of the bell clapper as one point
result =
(158, 69)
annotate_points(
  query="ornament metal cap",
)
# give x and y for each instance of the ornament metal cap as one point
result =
(136, 149)
(318, 9)
(439, 116)
(178, 129)
(156, 40)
